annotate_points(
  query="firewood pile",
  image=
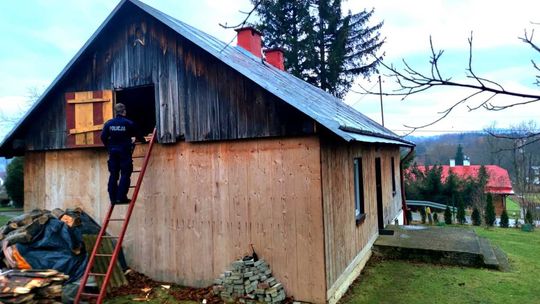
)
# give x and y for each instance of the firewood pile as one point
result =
(249, 281)
(31, 286)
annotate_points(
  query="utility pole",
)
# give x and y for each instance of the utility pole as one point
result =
(380, 95)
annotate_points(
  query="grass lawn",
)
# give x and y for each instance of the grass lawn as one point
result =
(4, 219)
(512, 207)
(9, 209)
(404, 282)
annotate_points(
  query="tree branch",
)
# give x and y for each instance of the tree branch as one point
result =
(412, 81)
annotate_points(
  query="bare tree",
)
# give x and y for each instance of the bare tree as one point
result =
(412, 81)
(8, 119)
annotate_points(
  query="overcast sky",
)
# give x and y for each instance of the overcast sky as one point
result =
(39, 37)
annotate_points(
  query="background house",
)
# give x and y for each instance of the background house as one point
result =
(248, 154)
(499, 183)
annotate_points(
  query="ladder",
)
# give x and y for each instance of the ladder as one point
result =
(112, 262)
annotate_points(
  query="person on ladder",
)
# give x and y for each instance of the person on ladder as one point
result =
(117, 137)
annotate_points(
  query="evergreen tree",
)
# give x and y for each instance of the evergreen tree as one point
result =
(528, 217)
(504, 219)
(330, 48)
(447, 216)
(475, 217)
(489, 216)
(460, 217)
(289, 25)
(15, 181)
(459, 156)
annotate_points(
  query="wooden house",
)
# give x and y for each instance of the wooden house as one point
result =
(247, 154)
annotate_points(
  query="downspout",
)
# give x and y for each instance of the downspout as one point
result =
(402, 181)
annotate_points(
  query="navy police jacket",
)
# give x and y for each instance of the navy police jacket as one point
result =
(117, 133)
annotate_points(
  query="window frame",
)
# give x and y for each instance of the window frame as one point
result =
(359, 193)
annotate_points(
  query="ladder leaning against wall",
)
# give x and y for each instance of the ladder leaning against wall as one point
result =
(81, 294)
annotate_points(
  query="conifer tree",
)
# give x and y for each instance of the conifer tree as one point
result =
(14, 183)
(459, 156)
(489, 216)
(504, 219)
(475, 217)
(447, 216)
(460, 217)
(322, 45)
(528, 217)
(288, 24)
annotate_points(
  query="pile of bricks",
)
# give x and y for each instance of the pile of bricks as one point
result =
(249, 282)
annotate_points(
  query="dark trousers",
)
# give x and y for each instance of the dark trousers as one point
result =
(120, 166)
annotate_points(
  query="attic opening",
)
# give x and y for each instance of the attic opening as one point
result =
(140, 105)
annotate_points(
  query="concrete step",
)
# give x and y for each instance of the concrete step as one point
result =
(489, 257)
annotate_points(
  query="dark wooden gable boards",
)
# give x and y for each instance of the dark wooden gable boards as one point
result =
(197, 98)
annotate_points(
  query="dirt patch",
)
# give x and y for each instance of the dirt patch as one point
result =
(140, 286)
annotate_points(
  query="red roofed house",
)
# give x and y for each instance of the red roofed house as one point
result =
(499, 184)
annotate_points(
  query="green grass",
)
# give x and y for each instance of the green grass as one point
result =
(512, 207)
(10, 209)
(4, 219)
(404, 282)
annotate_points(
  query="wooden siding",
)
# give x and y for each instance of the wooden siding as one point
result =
(344, 239)
(202, 204)
(197, 97)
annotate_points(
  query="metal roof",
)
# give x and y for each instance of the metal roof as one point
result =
(321, 106)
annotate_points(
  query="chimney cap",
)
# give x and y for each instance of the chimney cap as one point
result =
(251, 28)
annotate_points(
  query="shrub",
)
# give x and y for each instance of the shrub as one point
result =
(475, 217)
(447, 216)
(408, 214)
(15, 181)
(460, 217)
(423, 215)
(504, 219)
(528, 217)
(489, 215)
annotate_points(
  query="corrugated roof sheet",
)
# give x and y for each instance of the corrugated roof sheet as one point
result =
(321, 106)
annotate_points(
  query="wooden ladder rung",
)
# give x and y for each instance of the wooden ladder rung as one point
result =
(109, 237)
(97, 274)
(117, 220)
(103, 255)
(91, 295)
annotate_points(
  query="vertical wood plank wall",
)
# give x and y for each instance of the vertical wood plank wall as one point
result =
(343, 238)
(201, 205)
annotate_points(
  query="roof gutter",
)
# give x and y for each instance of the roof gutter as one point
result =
(364, 132)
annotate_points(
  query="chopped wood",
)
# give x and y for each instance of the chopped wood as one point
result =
(31, 286)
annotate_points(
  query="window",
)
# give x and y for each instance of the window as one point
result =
(359, 209)
(393, 177)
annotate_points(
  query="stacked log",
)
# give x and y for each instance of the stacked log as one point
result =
(249, 282)
(31, 286)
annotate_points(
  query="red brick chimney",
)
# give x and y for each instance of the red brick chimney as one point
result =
(274, 56)
(250, 39)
